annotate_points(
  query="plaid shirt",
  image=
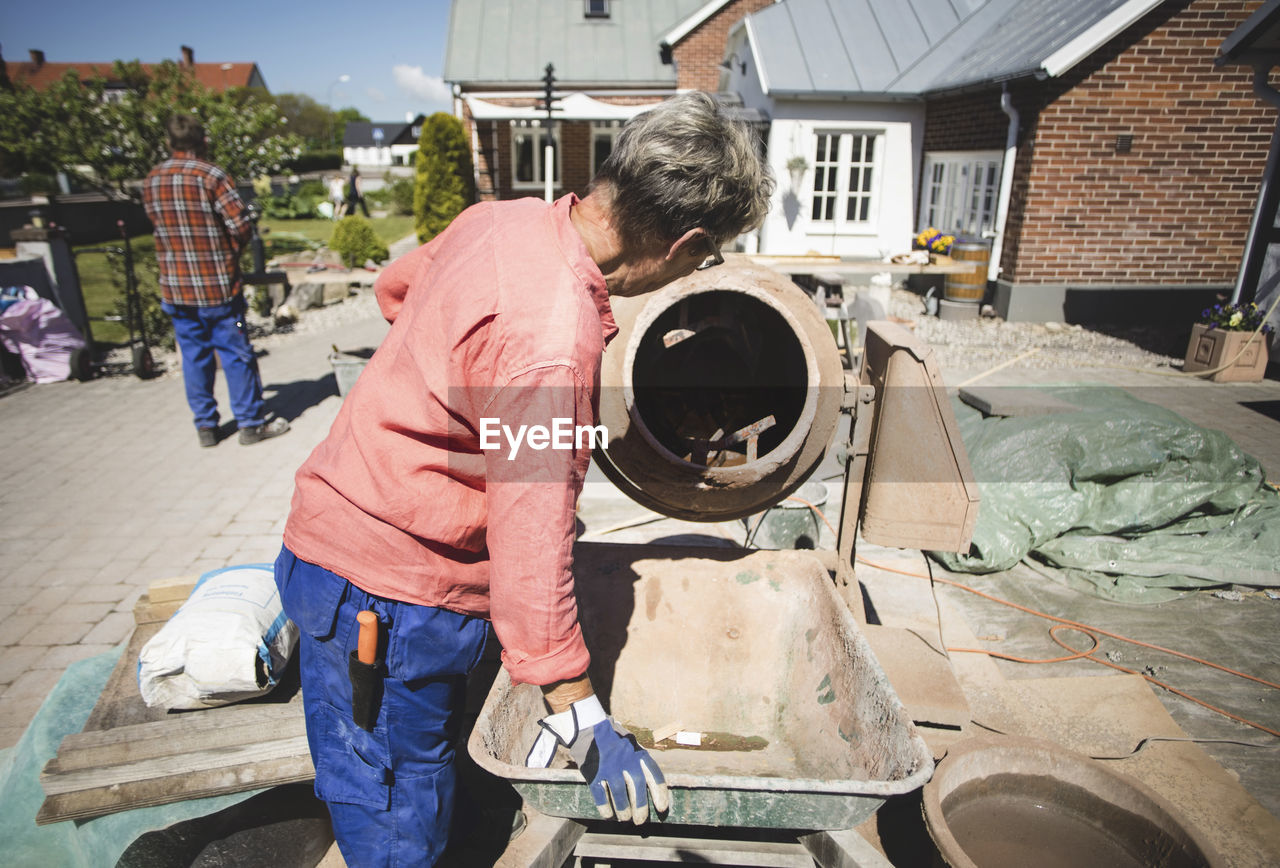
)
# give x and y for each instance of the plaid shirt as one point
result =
(201, 225)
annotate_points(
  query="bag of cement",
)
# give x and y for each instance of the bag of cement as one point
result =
(228, 642)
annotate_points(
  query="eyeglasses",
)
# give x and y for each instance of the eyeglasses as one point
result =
(715, 258)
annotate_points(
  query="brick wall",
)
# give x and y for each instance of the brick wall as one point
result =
(698, 55)
(1174, 209)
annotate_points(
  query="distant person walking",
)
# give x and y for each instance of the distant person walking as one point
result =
(355, 196)
(201, 226)
(335, 195)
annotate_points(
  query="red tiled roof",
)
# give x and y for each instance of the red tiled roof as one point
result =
(215, 76)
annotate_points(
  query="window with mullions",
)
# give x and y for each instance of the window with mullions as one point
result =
(844, 175)
(960, 191)
(603, 135)
(527, 158)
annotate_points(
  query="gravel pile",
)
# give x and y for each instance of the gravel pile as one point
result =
(988, 341)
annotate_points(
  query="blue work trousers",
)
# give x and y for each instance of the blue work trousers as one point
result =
(391, 791)
(201, 331)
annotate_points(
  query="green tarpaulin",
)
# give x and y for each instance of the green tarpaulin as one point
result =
(1122, 498)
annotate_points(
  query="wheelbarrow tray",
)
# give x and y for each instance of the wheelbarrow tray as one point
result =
(755, 652)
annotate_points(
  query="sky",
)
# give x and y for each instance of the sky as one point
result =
(393, 50)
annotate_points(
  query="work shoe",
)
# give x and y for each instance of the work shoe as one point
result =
(258, 433)
(208, 436)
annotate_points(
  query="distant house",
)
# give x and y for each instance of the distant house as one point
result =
(382, 143)
(1094, 143)
(40, 73)
(611, 59)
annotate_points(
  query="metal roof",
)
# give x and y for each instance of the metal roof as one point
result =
(361, 134)
(510, 42)
(909, 47)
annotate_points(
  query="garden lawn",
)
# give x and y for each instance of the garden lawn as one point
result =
(102, 291)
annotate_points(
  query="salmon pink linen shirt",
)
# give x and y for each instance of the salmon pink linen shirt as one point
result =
(499, 321)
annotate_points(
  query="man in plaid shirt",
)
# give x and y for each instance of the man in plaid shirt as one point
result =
(201, 225)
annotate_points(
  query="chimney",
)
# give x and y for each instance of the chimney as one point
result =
(188, 56)
(37, 58)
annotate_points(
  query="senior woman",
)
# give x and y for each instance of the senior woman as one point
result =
(408, 511)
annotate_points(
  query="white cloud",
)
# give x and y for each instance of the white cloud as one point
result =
(413, 81)
(375, 94)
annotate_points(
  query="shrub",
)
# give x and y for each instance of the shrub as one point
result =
(400, 197)
(295, 204)
(355, 241)
(443, 181)
(314, 161)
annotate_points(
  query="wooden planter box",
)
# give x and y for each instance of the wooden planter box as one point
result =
(1211, 348)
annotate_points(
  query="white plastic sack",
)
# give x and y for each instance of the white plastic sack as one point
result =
(228, 642)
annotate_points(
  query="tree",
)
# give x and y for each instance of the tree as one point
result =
(315, 123)
(72, 127)
(444, 182)
(341, 118)
(306, 118)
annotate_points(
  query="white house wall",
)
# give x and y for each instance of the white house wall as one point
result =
(789, 228)
(378, 156)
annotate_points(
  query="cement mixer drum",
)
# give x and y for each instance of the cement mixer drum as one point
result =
(721, 393)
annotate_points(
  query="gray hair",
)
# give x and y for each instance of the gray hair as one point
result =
(685, 164)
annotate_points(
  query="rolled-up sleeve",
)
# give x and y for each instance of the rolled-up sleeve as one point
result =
(534, 476)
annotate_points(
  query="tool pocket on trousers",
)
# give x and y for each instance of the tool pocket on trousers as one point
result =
(426, 642)
(310, 594)
(352, 766)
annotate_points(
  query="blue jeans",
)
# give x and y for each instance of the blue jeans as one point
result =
(391, 791)
(202, 330)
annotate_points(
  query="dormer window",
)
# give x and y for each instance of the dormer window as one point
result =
(597, 8)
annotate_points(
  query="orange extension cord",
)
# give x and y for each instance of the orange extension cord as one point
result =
(1064, 624)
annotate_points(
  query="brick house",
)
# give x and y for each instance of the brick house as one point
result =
(1096, 144)
(40, 73)
(611, 59)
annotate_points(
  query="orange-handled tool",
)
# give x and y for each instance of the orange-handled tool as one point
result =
(367, 643)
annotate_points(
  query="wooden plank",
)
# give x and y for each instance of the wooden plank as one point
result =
(704, 851)
(57, 781)
(86, 804)
(546, 842)
(843, 849)
(233, 726)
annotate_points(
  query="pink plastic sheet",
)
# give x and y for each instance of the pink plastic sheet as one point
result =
(41, 335)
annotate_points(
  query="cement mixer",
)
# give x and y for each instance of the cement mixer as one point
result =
(721, 394)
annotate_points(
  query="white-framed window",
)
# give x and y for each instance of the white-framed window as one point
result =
(596, 8)
(959, 191)
(527, 159)
(846, 179)
(603, 136)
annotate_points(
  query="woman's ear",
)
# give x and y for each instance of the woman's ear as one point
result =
(689, 244)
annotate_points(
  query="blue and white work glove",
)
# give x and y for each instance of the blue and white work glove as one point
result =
(618, 771)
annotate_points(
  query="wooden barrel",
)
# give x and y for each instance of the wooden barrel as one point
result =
(968, 285)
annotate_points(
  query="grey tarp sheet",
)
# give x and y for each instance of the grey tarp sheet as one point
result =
(96, 843)
(1123, 499)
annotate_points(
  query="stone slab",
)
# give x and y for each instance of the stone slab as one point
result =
(1013, 401)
